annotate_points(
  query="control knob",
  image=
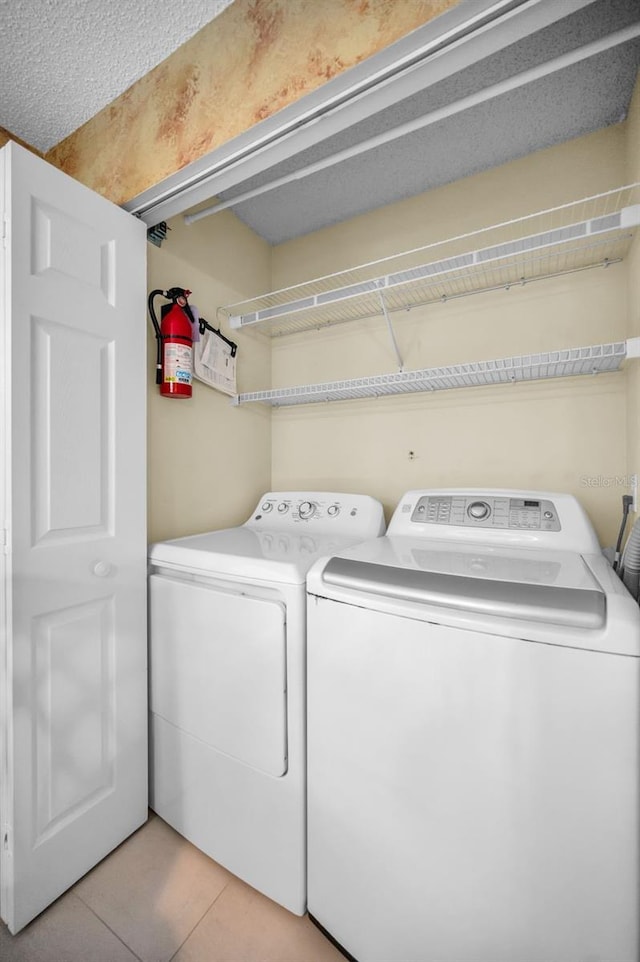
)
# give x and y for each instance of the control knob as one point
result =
(283, 507)
(478, 510)
(307, 509)
(333, 510)
(266, 507)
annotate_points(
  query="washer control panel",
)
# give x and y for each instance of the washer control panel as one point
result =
(495, 517)
(486, 511)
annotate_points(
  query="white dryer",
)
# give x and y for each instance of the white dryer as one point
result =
(473, 742)
(227, 682)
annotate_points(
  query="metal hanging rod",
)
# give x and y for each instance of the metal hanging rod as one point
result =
(520, 282)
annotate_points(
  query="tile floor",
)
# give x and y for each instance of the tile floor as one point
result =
(159, 899)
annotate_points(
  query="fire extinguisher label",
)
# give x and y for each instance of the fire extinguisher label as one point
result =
(178, 363)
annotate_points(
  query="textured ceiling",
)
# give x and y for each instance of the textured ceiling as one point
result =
(62, 61)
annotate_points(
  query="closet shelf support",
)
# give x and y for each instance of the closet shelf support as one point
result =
(391, 331)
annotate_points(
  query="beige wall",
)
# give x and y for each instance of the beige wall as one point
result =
(553, 435)
(209, 461)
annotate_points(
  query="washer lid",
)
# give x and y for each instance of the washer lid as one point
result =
(243, 552)
(528, 585)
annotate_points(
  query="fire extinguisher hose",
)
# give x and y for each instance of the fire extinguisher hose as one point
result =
(156, 328)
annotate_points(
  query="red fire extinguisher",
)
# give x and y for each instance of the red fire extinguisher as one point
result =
(174, 336)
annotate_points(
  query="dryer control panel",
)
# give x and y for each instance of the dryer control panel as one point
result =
(319, 512)
(484, 511)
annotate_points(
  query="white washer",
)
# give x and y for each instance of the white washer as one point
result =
(473, 747)
(227, 682)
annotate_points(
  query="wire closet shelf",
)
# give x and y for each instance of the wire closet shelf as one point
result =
(572, 362)
(592, 232)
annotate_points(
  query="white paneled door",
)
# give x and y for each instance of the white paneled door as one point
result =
(72, 523)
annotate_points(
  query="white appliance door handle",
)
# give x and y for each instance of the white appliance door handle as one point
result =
(102, 569)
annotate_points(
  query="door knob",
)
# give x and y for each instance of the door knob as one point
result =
(102, 569)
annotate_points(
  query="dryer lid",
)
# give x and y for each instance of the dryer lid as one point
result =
(242, 552)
